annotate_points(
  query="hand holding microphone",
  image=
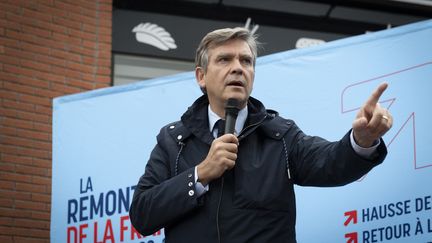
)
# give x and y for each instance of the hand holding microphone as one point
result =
(223, 151)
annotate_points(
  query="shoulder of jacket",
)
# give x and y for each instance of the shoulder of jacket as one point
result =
(177, 131)
(276, 126)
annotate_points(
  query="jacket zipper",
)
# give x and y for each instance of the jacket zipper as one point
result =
(243, 131)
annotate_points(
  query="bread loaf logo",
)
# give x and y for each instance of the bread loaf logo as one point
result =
(154, 35)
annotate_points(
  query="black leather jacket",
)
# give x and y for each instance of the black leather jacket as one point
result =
(255, 201)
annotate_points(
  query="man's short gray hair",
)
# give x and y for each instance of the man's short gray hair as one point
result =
(221, 36)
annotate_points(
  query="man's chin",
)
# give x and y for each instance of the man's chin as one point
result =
(241, 98)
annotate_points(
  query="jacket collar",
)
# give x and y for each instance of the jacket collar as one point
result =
(195, 119)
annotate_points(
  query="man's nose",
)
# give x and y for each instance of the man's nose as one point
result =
(236, 67)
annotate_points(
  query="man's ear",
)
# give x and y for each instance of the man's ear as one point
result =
(200, 77)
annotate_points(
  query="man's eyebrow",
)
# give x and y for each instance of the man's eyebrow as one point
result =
(246, 56)
(225, 54)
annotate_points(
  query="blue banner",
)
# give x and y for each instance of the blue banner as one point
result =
(102, 140)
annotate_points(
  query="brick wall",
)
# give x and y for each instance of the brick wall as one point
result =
(48, 48)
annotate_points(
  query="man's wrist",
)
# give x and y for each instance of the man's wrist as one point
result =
(362, 151)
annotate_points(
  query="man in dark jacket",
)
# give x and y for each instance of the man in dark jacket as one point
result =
(239, 187)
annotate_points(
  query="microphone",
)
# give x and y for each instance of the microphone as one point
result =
(231, 112)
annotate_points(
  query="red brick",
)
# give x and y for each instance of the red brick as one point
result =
(91, 5)
(103, 71)
(10, 8)
(40, 180)
(20, 142)
(37, 197)
(55, 28)
(57, 75)
(36, 31)
(66, 55)
(105, 31)
(51, 60)
(28, 4)
(41, 215)
(38, 41)
(49, 9)
(34, 82)
(67, 23)
(9, 42)
(101, 85)
(8, 131)
(10, 95)
(42, 163)
(6, 202)
(16, 195)
(82, 19)
(45, 101)
(7, 168)
(104, 62)
(103, 79)
(41, 145)
(83, 35)
(105, 7)
(65, 89)
(89, 60)
(89, 28)
(104, 54)
(14, 213)
(30, 170)
(8, 176)
(90, 44)
(72, 73)
(36, 65)
(7, 59)
(25, 187)
(43, 136)
(6, 221)
(65, 38)
(18, 105)
(42, 127)
(30, 223)
(81, 84)
(6, 185)
(107, 39)
(33, 116)
(34, 153)
(81, 67)
(30, 240)
(34, 48)
(12, 122)
(25, 160)
(44, 109)
(83, 51)
(7, 149)
(25, 232)
(88, 77)
(19, 36)
(6, 239)
(48, 42)
(28, 13)
(18, 88)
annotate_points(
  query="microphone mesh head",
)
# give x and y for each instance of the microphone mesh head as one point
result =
(232, 107)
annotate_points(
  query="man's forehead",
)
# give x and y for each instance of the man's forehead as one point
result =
(225, 49)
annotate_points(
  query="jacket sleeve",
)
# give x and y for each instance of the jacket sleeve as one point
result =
(160, 198)
(318, 162)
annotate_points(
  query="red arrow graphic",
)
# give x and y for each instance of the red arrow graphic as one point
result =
(351, 237)
(349, 105)
(352, 216)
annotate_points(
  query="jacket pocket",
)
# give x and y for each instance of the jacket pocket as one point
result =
(262, 182)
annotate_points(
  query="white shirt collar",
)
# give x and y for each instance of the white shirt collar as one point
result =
(241, 119)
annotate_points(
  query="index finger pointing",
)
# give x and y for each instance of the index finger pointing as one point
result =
(373, 99)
